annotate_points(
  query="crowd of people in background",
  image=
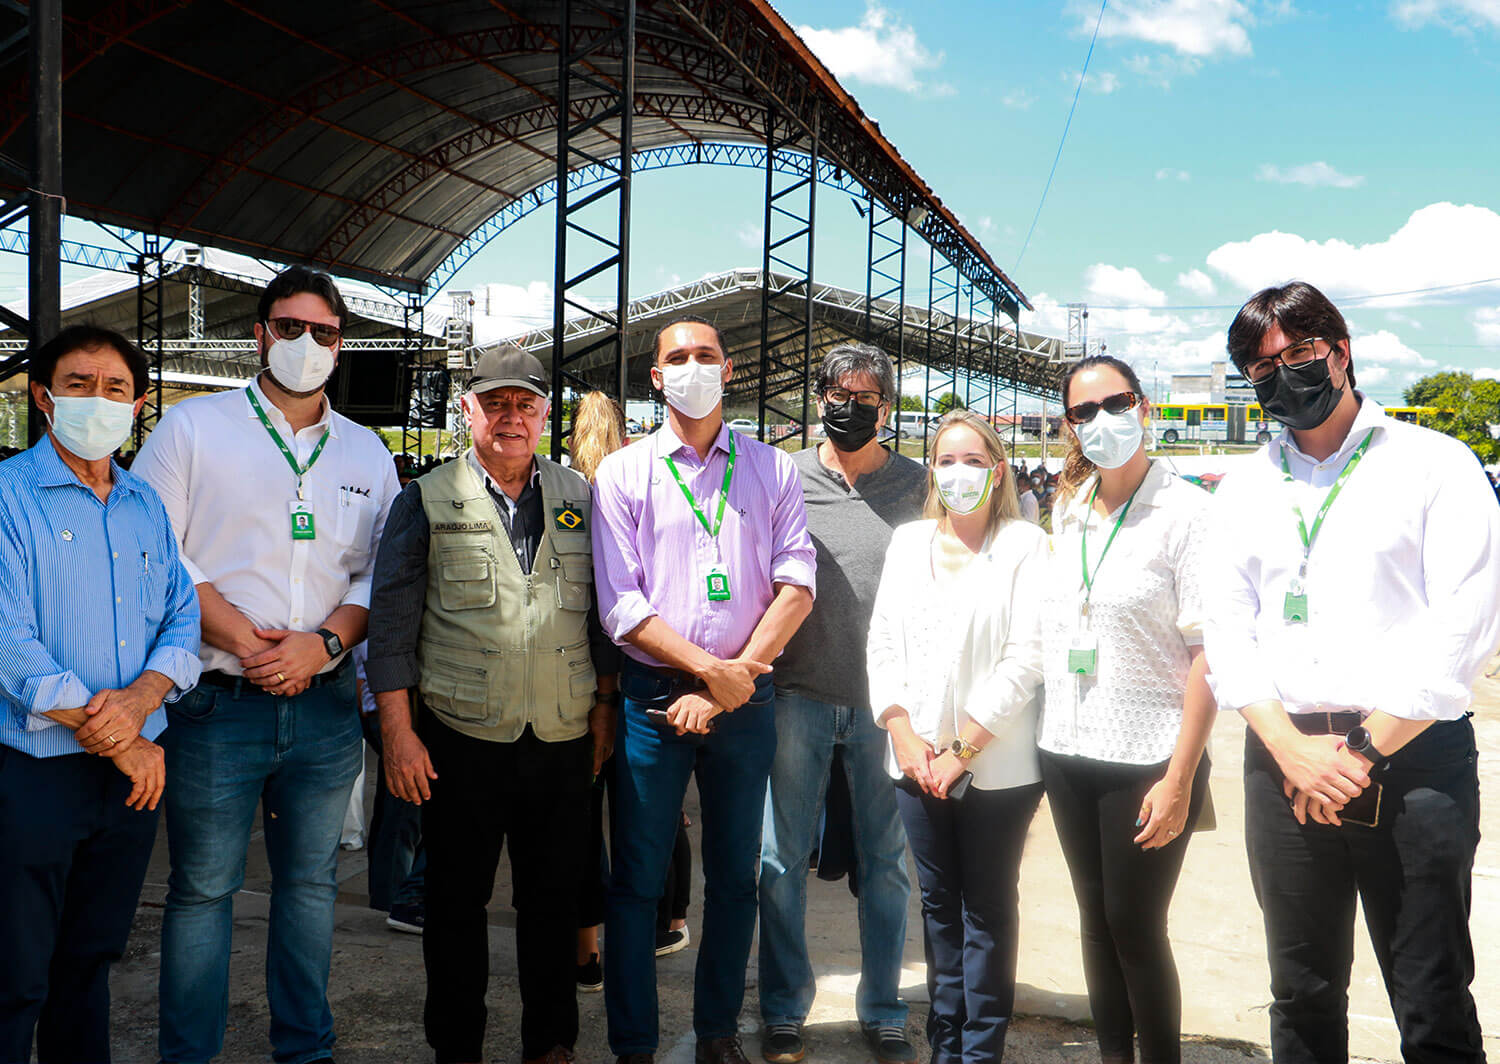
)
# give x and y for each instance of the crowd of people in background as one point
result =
(544, 656)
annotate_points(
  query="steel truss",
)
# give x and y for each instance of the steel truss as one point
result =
(943, 305)
(150, 295)
(885, 281)
(580, 79)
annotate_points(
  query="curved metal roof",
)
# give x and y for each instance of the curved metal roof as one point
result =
(374, 136)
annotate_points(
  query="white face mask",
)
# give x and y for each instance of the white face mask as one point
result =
(1110, 440)
(300, 365)
(91, 427)
(693, 388)
(963, 488)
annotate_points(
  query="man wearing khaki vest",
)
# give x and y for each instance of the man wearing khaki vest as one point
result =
(483, 601)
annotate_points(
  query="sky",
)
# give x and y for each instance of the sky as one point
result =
(1217, 146)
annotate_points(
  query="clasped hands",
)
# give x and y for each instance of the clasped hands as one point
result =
(283, 662)
(1321, 775)
(113, 730)
(727, 686)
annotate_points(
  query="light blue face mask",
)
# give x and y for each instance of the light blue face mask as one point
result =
(91, 427)
(1110, 440)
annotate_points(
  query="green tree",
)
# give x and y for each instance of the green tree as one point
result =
(949, 401)
(1466, 409)
(913, 402)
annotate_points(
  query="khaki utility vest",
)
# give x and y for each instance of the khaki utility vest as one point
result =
(500, 649)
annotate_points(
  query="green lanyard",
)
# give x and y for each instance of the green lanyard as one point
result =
(1088, 579)
(712, 530)
(286, 452)
(1309, 538)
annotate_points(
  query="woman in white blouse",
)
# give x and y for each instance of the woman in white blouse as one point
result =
(954, 661)
(1128, 708)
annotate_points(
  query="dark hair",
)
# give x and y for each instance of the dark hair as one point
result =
(1301, 311)
(1077, 468)
(295, 279)
(851, 358)
(680, 319)
(87, 337)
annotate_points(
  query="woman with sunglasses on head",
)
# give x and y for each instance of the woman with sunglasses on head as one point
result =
(954, 659)
(1128, 708)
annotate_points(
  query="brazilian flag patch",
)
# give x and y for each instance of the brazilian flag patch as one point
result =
(567, 518)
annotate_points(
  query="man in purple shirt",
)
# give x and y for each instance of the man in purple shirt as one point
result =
(704, 569)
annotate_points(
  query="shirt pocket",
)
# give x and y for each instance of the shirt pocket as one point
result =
(356, 523)
(466, 578)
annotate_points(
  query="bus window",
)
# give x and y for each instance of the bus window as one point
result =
(1194, 416)
(1171, 413)
(1215, 413)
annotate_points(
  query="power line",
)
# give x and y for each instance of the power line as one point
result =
(1236, 306)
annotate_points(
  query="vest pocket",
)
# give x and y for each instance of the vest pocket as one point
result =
(575, 672)
(454, 686)
(575, 584)
(466, 578)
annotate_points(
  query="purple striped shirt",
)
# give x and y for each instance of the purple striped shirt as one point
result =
(652, 556)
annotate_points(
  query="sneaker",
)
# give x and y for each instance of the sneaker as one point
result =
(671, 941)
(890, 1044)
(781, 1043)
(726, 1050)
(407, 918)
(590, 975)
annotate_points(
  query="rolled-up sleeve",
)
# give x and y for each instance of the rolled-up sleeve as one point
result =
(619, 578)
(398, 595)
(794, 559)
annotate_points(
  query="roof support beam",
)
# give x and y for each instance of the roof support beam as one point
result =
(44, 263)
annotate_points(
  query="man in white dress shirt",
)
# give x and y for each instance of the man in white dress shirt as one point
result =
(278, 505)
(1358, 598)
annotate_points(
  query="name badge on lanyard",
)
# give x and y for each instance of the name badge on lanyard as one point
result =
(1294, 604)
(717, 579)
(303, 526)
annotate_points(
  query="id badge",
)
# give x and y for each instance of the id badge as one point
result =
(718, 584)
(1083, 655)
(303, 526)
(1294, 607)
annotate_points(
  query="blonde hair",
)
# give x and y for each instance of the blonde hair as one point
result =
(1005, 504)
(598, 431)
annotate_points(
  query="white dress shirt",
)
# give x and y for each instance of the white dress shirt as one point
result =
(1030, 509)
(962, 649)
(1145, 615)
(1402, 585)
(228, 489)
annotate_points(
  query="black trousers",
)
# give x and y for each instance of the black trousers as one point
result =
(1412, 875)
(678, 894)
(73, 857)
(1123, 895)
(532, 795)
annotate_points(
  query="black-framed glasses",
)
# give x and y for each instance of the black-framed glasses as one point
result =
(1293, 355)
(291, 328)
(840, 396)
(1083, 413)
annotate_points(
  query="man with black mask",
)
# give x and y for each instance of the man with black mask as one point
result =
(1358, 599)
(856, 491)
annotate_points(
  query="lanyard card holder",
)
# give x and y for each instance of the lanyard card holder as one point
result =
(1083, 653)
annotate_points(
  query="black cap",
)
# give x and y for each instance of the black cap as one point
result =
(508, 367)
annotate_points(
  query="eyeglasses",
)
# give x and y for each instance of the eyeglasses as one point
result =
(1293, 355)
(291, 328)
(840, 396)
(1083, 413)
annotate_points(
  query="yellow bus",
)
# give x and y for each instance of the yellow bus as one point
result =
(1416, 415)
(1175, 422)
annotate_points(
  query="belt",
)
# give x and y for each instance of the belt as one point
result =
(230, 682)
(1327, 722)
(680, 677)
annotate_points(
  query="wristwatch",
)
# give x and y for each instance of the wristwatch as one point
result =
(963, 749)
(1358, 741)
(331, 642)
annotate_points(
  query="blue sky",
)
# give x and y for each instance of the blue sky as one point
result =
(1218, 146)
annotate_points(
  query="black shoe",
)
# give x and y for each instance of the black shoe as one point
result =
(590, 975)
(890, 1044)
(408, 918)
(671, 941)
(781, 1043)
(726, 1050)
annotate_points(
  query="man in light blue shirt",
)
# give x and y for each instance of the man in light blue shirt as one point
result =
(98, 626)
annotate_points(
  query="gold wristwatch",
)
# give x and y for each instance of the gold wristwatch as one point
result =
(963, 749)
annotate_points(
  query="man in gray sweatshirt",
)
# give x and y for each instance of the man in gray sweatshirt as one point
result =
(857, 491)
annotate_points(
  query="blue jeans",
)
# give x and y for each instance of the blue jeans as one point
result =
(651, 774)
(229, 751)
(806, 732)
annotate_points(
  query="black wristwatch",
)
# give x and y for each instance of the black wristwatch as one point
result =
(1358, 741)
(331, 643)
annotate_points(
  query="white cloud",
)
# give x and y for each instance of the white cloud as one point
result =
(1460, 15)
(1162, 70)
(1200, 28)
(1197, 282)
(1017, 100)
(881, 50)
(1103, 82)
(1384, 348)
(1487, 325)
(1442, 244)
(1162, 256)
(1121, 284)
(1314, 175)
(752, 234)
(1168, 173)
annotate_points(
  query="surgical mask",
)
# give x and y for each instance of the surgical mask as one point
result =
(300, 365)
(693, 388)
(963, 488)
(1300, 397)
(849, 426)
(92, 427)
(1110, 440)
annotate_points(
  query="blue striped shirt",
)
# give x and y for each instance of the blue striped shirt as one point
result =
(92, 594)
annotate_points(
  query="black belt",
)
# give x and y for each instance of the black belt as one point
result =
(1327, 723)
(680, 677)
(230, 682)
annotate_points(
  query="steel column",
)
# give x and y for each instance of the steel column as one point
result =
(44, 261)
(150, 295)
(885, 280)
(942, 337)
(413, 340)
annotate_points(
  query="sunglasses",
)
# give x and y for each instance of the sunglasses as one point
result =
(291, 328)
(1083, 413)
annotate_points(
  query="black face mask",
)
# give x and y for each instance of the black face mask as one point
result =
(850, 426)
(1300, 398)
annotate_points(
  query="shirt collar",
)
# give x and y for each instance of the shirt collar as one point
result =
(1158, 479)
(279, 419)
(667, 441)
(490, 485)
(1371, 416)
(53, 472)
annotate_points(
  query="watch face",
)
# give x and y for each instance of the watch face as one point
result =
(1358, 738)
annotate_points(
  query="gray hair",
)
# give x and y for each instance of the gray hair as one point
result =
(852, 358)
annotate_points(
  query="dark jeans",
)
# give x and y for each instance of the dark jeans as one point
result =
(677, 895)
(652, 767)
(394, 849)
(1123, 895)
(72, 860)
(532, 795)
(1412, 876)
(968, 854)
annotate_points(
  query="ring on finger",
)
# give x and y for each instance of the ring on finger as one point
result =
(281, 676)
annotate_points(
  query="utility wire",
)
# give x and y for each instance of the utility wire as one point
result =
(1066, 126)
(1337, 299)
